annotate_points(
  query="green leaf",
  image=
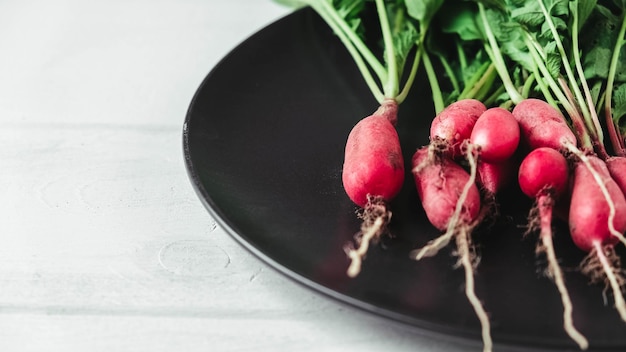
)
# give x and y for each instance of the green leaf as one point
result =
(423, 10)
(619, 105)
(510, 36)
(404, 41)
(585, 8)
(553, 63)
(462, 18)
(597, 44)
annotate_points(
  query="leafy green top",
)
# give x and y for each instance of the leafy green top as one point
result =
(569, 52)
(403, 26)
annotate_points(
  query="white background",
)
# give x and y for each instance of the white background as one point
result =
(105, 246)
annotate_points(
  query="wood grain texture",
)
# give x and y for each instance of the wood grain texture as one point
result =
(105, 246)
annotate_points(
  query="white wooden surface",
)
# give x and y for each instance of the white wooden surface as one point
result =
(105, 246)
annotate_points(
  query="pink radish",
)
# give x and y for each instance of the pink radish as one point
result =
(373, 174)
(452, 126)
(439, 188)
(617, 169)
(452, 204)
(590, 211)
(542, 125)
(597, 220)
(373, 163)
(493, 177)
(544, 176)
(496, 134)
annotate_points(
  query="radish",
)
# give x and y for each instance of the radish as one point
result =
(452, 204)
(493, 177)
(596, 223)
(373, 163)
(452, 126)
(496, 135)
(543, 176)
(373, 174)
(617, 169)
(440, 187)
(542, 125)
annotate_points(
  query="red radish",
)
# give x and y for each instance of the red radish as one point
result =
(373, 174)
(617, 168)
(597, 220)
(493, 177)
(452, 204)
(544, 176)
(496, 134)
(543, 171)
(542, 125)
(373, 162)
(589, 209)
(452, 126)
(439, 188)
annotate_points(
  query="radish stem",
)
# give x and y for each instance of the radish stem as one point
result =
(614, 135)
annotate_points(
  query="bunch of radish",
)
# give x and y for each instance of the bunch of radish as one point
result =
(464, 135)
(519, 109)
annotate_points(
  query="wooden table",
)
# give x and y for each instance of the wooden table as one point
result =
(105, 245)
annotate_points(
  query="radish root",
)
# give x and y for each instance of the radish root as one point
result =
(433, 246)
(605, 192)
(467, 260)
(602, 264)
(554, 272)
(375, 219)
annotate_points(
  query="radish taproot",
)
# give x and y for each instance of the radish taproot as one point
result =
(452, 204)
(543, 175)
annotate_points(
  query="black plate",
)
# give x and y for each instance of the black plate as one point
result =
(263, 142)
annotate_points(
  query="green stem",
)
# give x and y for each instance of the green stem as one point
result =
(446, 67)
(485, 85)
(490, 100)
(616, 139)
(390, 87)
(409, 81)
(354, 52)
(581, 76)
(528, 85)
(434, 83)
(462, 57)
(339, 25)
(496, 57)
(544, 88)
(568, 70)
(576, 119)
(545, 73)
(473, 85)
